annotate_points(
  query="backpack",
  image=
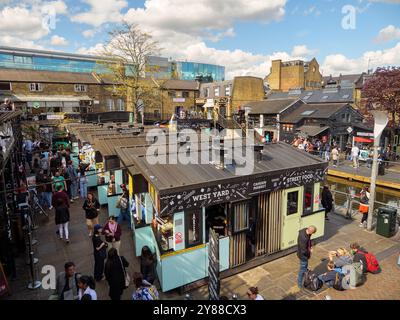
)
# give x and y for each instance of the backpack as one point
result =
(337, 285)
(372, 262)
(311, 281)
(358, 270)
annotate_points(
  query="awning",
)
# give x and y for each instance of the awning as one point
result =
(361, 139)
(208, 105)
(312, 131)
(51, 98)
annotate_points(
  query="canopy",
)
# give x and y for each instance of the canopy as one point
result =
(362, 139)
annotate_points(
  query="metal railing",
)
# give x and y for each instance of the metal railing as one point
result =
(347, 204)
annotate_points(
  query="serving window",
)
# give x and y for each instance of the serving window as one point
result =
(292, 202)
(240, 217)
(308, 199)
(164, 233)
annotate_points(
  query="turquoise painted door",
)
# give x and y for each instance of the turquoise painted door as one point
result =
(291, 216)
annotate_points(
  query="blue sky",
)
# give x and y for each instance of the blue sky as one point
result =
(243, 35)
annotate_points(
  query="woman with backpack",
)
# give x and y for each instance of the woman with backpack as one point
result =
(343, 262)
(144, 290)
(86, 287)
(116, 274)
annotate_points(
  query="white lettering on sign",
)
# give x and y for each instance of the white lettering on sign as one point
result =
(207, 196)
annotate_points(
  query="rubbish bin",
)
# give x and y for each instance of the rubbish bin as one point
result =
(386, 222)
(381, 168)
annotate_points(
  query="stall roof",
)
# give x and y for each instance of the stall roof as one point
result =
(165, 177)
(269, 106)
(313, 111)
(7, 115)
(312, 131)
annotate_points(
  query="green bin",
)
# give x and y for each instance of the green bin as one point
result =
(386, 223)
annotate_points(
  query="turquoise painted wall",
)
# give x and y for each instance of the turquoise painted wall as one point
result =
(112, 202)
(118, 180)
(144, 237)
(92, 178)
(102, 194)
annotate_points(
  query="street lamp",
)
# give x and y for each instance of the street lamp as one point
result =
(381, 120)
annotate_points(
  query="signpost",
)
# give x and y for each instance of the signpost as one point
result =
(214, 284)
(381, 121)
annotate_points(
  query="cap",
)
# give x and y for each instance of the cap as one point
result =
(97, 227)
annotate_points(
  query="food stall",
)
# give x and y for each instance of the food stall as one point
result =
(177, 204)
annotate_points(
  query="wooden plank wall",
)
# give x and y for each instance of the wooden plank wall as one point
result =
(238, 241)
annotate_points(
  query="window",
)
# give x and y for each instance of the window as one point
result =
(172, 94)
(206, 92)
(343, 117)
(348, 117)
(35, 87)
(23, 59)
(5, 86)
(157, 113)
(292, 202)
(240, 217)
(216, 91)
(110, 104)
(324, 97)
(120, 104)
(308, 112)
(80, 88)
(185, 94)
(308, 199)
(194, 228)
(228, 91)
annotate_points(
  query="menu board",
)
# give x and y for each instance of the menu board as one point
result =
(3, 282)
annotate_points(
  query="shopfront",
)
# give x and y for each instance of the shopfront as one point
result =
(256, 215)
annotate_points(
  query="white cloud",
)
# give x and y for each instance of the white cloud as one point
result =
(58, 41)
(89, 33)
(338, 63)
(203, 16)
(302, 51)
(387, 34)
(101, 12)
(26, 21)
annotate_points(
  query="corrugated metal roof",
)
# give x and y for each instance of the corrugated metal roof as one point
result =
(312, 131)
(7, 115)
(165, 177)
(315, 111)
(269, 106)
(317, 96)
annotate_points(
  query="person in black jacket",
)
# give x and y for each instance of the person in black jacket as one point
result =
(148, 264)
(62, 219)
(327, 200)
(99, 252)
(115, 274)
(304, 249)
(92, 208)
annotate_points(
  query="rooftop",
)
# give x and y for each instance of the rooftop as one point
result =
(316, 111)
(270, 106)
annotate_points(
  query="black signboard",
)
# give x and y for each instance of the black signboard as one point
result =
(237, 191)
(214, 284)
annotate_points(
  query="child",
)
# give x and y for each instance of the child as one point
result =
(329, 277)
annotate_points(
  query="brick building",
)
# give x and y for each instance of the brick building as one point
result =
(294, 74)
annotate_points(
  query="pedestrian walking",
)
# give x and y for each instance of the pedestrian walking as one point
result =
(73, 181)
(355, 151)
(326, 200)
(55, 164)
(99, 252)
(92, 209)
(58, 180)
(304, 250)
(60, 194)
(28, 149)
(253, 294)
(62, 219)
(123, 204)
(144, 289)
(112, 231)
(115, 273)
(86, 287)
(82, 181)
(364, 206)
(47, 193)
(327, 152)
(44, 164)
(67, 283)
(335, 156)
(148, 262)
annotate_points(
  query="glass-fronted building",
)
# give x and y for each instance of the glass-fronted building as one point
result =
(158, 67)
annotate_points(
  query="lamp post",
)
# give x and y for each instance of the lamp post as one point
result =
(381, 120)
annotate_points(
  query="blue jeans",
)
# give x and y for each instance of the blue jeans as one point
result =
(125, 214)
(83, 187)
(302, 270)
(47, 197)
(74, 189)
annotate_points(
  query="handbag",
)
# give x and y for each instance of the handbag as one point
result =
(127, 277)
(118, 205)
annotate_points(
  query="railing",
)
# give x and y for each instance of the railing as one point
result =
(347, 203)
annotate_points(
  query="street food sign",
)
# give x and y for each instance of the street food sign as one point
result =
(237, 191)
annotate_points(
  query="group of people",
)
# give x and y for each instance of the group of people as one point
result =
(315, 146)
(71, 285)
(345, 269)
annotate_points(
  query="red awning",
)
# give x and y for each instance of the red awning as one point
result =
(361, 139)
